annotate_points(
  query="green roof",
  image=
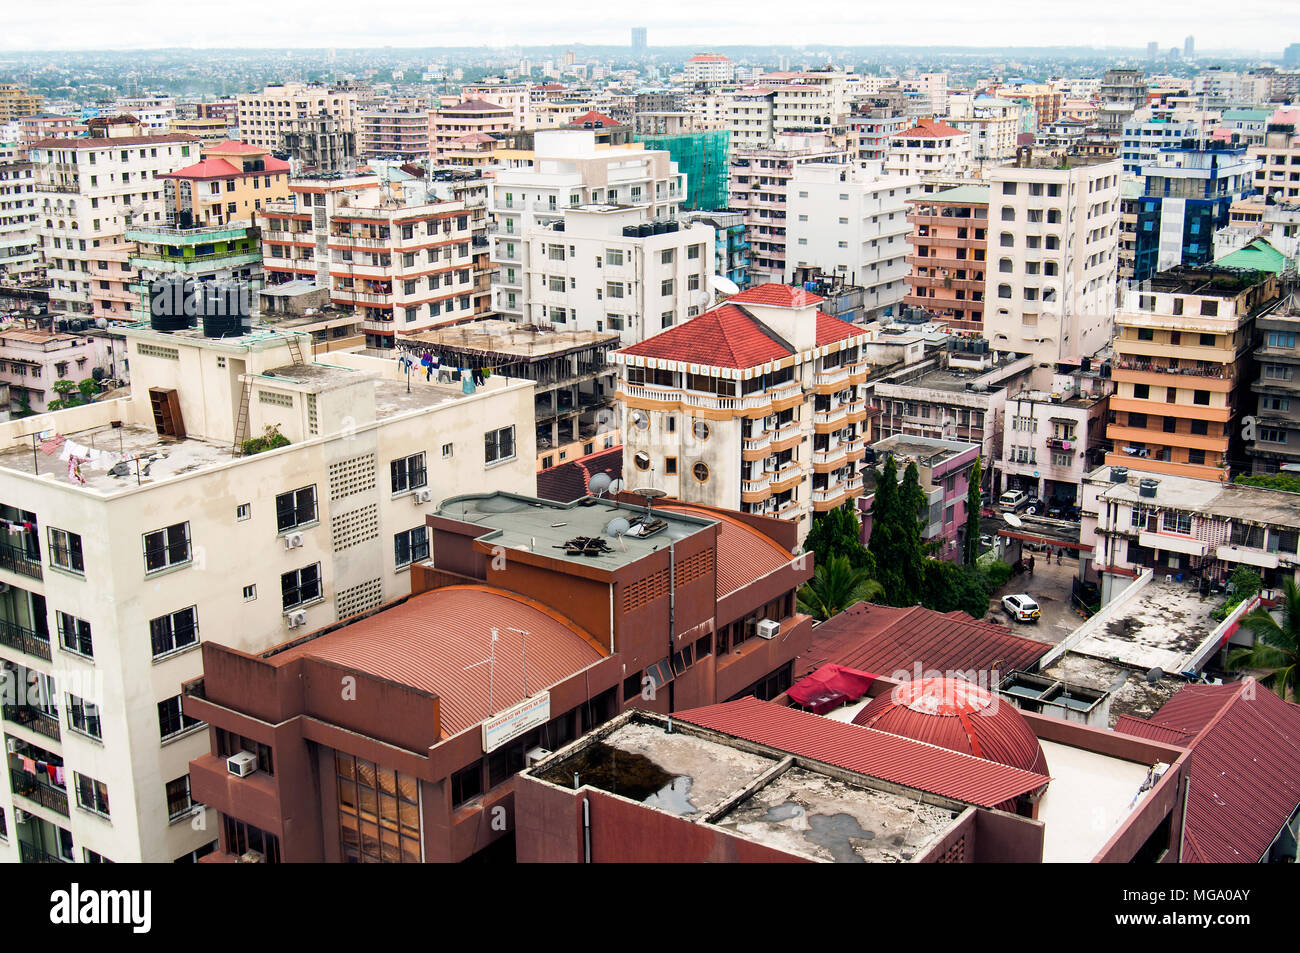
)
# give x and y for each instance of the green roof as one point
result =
(1259, 255)
(1255, 115)
(963, 193)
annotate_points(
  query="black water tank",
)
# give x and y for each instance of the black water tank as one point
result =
(1147, 488)
(167, 304)
(660, 228)
(1119, 474)
(673, 227)
(645, 231)
(630, 231)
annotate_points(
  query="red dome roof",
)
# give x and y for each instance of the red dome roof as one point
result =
(960, 716)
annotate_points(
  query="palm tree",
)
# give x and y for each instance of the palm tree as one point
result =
(1277, 644)
(834, 587)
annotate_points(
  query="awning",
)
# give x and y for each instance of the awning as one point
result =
(1046, 540)
(1172, 544)
(830, 687)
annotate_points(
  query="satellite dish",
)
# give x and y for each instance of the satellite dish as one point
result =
(599, 484)
(650, 492)
(703, 299)
(101, 322)
(724, 285)
(615, 486)
(617, 527)
(1013, 520)
(1154, 675)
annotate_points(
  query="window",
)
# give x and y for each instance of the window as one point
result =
(250, 592)
(614, 289)
(467, 784)
(295, 508)
(179, 802)
(666, 256)
(409, 473)
(65, 550)
(642, 460)
(167, 547)
(499, 445)
(1277, 372)
(244, 838)
(1201, 397)
(446, 451)
(1272, 435)
(1196, 457)
(1142, 391)
(300, 586)
(178, 630)
(1004, 291)
(171, 720)
(614, 256)
(1178, 522)
(83, 716)
(666, 287)
(670, 466)
(701, 472)
(91, 794)
(666, 319)
(379, 812)
(74, 634)
(693, 251)
(411, 546)
(1201, 428)
(1278, 339)
(243, 511)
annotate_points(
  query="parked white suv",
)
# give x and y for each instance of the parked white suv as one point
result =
(1013, 499)
(1021, 608)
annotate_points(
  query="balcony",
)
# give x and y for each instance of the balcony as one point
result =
(788, 477)
(31, 854)
(33, 719)
(24, 640)
(755, 448)
(831, 381)
(38, 791)
(824, 461)
(304, 237)
(338, 240)
(17, 560)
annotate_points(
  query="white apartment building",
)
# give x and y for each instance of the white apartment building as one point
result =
(1147, 132)
(607, 268)
(568, 168)
(1046, 436)
(113, 582)
(1052, 260)
(993, 125)
(154, 113)
(406, 256)
(933, 89)
(709, 69)
(757, 405)
(851, 221)
(809, 102)
(88, 191)
(1278, 175)
(265, 117)
(517, 97)
(750, 118)
(930, 149)
(759, 187)
(19, 247)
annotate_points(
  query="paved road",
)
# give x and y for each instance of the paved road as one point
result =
(1050, 587)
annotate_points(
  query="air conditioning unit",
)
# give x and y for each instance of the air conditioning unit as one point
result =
(242, 765)
(533, 755)
(20, 815)
(293, 541)
(296, 618)
(768, 629)
(424, 496)
(11, 745)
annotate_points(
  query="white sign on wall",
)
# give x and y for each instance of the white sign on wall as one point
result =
(505, 726)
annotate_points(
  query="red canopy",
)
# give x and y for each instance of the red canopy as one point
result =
(830, 687)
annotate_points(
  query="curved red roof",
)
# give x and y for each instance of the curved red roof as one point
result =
(930, 129)
(745, 555)
(960, 716)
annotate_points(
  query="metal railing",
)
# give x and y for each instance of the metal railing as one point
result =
(31, 854)
(24, 640)
(40, 792)
(38, 721)
(17, 559)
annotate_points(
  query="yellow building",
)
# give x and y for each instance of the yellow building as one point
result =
(214, 129)
(234, 181)
(17, 103)
(1182, 342)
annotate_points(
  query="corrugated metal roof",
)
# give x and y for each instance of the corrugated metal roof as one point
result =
(876, 754)
(428, 641)
(884, 640)
(1244, 780)
(1141, 728)
(957, 715)
(744, 554)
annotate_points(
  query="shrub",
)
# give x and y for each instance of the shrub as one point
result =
(271, 439)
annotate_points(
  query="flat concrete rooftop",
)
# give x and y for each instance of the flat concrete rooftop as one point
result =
(543, 527)
(1158, 629)
(494, 338)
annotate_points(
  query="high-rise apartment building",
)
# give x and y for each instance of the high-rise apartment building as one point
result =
(233, 182)
(1278, 175)
(16, 102)
(1275, 440)
(449, 124)
(1122, 92)
(851, 221)
(399, 131)
(20, 257)
(153, 538)
(930, 149)
(760, 190)
(1182, 346)
(1053, 247)
(266, 118)
(756, 405)
(949, 243)
(993, 123)
(709, 69)
(88, 192)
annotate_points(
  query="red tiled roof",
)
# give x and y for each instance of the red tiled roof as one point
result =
(207, 169)
(830, 330)
(572, 480)
(884, 640)
(744, 554)
(930, 129)
(708, 58)
(1245, 767)
(777, 295)
(428, 640)
(595, 118)
(876, 754)
(726, 336)
(1141, 728)
(957, 715)
(475, 137)
(472, 105)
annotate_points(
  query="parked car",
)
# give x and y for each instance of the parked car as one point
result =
(1021, 608)
(1033, 505)
(1063, 510)
(1013, 500)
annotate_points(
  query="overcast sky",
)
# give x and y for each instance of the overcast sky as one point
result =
(132, 24)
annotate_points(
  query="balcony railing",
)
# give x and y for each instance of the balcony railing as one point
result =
(17, 559)
(38, 791)
(1221, 373)
(34, 719)
(24, 640)
(31, 854)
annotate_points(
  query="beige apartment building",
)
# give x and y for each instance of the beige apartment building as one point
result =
(264, 118)
(948, 250)
(16, 102)
(757, 405)
(157, 535)
(232, 183)
(1182, 347)
(449, 124)
(394, 131)
(1278, 175)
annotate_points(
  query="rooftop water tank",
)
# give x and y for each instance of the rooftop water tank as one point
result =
(1119, 474)
(1147, 488)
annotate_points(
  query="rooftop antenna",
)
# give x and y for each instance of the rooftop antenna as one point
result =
(491, 663)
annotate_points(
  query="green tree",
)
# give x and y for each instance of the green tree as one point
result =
(896, 533)
(838, 532)
(950, 586)
(971, 544)
(70, 394)
(1242, 584)
(835, 586)
(1290, 482)
(1276, 643)
(912, 504)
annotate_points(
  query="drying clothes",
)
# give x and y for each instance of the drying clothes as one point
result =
(74, 469)
(29, 765)
(58, 776)
(52, 444)
(467, 384)
(52, 771)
